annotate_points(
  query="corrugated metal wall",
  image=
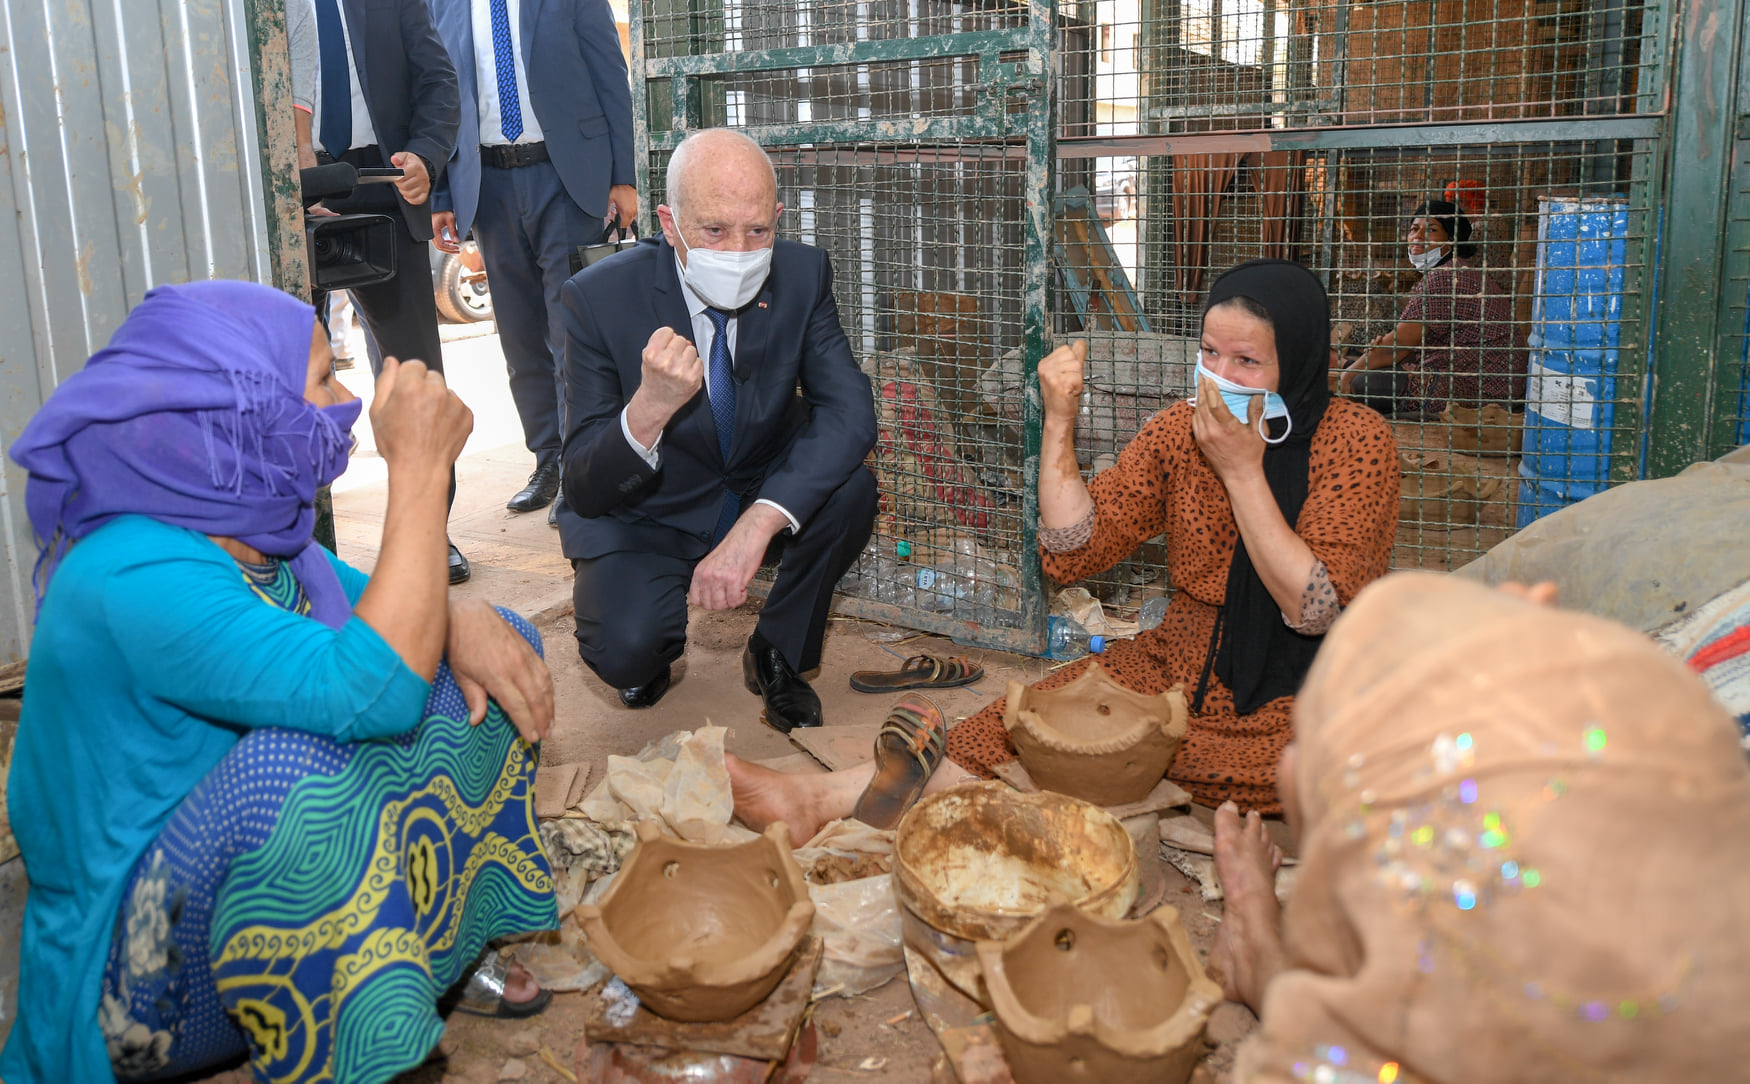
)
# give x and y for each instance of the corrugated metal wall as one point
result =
(128, 158)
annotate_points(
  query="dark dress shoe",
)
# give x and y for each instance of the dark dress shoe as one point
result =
(790, 703)
(539, 493)
(459, 570)
(647, 694)
(553, 514)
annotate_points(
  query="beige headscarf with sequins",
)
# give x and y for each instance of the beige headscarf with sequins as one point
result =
(1525, 854)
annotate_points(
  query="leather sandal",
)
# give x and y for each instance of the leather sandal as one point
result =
(484, 993)
(909, 748)
(919, 672)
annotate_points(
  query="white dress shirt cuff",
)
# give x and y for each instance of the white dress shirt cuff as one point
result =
(795, 527)
(651, 455)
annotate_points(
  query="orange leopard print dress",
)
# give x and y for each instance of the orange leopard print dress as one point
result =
(1162, 483)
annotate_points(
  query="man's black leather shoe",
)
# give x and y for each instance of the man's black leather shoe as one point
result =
(539, 493)
(459, 570)
(790, 703)
(553, 514)
(647, 694)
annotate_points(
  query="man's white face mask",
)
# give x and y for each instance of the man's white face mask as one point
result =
(724, 280)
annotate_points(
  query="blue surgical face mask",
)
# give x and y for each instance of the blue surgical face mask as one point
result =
(1238, 398)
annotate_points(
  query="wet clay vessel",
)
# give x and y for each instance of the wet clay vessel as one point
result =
(979, 861)
(1082, 998)
(1094, 739)
(701, 933)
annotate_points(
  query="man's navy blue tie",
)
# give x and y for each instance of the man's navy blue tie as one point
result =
(336, 133)
(510, 110)
(721, 378)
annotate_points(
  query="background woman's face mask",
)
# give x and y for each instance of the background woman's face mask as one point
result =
(1428, 258)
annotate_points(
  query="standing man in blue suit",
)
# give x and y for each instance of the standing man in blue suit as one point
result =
(543, 154)
(716, 418)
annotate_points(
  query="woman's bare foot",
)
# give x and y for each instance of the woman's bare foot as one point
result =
(803, 802)
(1248, 947)
(520, 987)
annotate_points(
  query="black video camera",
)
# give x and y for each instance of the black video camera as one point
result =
(347, 250)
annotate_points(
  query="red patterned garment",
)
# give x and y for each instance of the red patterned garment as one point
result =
(914, 458)
(1467, 355)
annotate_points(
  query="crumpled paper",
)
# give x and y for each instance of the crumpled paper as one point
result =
(1084, 609)
(679, 781)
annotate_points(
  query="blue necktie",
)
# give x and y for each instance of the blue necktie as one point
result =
(336, 134)
(722, 393)
(510, 110)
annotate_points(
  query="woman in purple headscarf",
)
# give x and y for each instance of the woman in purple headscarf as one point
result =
(252, 806)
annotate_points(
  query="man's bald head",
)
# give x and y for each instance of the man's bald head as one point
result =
(723, 192)
(724, 161)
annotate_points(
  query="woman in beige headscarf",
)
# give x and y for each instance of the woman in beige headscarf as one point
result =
(1525, 855)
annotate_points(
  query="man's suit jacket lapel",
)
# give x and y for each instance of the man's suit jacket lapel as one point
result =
(528, 18)
(671, 308)
(354, 13)
(461, 15)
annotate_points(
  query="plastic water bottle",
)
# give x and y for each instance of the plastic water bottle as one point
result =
(1066, 639)
(1153, 612)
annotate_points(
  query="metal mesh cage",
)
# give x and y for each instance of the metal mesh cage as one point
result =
(917, 141)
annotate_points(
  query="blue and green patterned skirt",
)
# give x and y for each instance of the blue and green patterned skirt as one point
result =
(311, 900)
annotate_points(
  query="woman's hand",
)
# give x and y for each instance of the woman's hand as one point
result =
(1346, 380)
(489, 659)
(1060, 381)
(1233, 447)
(416, 419)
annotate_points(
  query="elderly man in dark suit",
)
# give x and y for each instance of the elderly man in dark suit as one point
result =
(385, 95)
(715, 414)
(544, 152)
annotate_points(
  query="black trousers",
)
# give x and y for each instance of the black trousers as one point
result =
(632, 607)
(400, 315)
(1382, 389)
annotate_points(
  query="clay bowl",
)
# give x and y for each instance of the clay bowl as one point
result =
(701, 933)
(1078, 997)
(1093, 739)
(979, 861)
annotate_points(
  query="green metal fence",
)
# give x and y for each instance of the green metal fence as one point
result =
(995, 177)
(912, 140)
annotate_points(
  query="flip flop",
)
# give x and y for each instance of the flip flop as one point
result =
(484, 993)
(908, 749)
(919, 672)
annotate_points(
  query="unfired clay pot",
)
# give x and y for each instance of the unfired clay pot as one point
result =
(701, 933)
(981, 860)
(1082, 998)
(1094, 739)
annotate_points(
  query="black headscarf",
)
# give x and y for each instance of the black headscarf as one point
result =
(1254, 653)
(1453, 221)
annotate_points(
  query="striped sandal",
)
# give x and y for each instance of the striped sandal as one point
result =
(919, 672)
(908, 749)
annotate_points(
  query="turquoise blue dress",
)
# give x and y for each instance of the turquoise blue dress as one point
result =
(242, 827)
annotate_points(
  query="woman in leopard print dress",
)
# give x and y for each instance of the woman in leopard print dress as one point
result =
(1273, 522)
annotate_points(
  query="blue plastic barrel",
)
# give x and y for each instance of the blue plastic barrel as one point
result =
(1576, 327)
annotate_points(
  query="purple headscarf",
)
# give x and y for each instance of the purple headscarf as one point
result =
(194, 415)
